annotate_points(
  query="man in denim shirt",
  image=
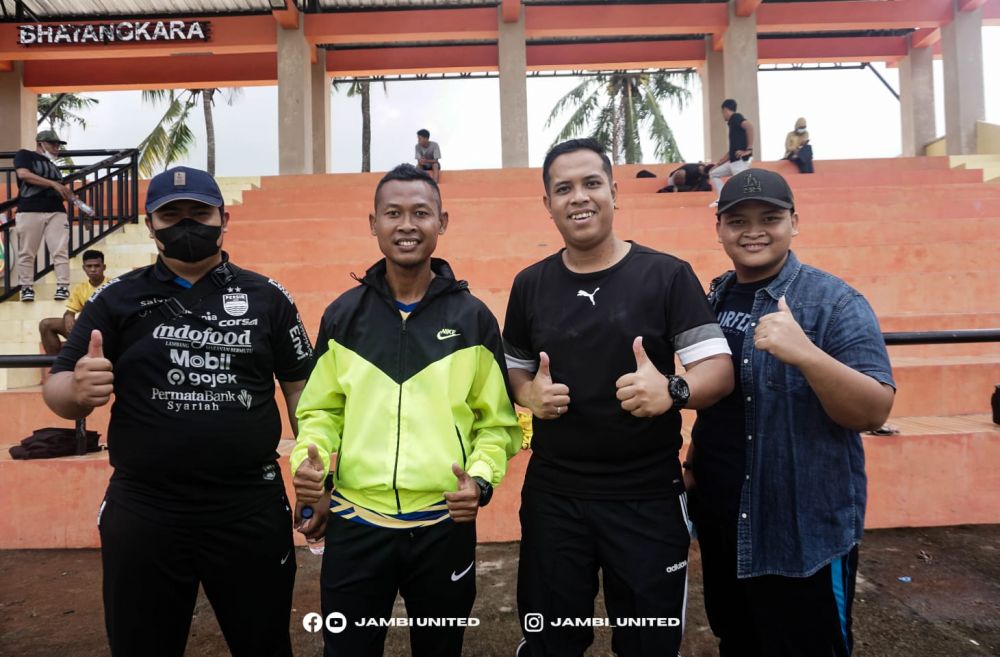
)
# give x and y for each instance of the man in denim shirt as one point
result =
(778, 465)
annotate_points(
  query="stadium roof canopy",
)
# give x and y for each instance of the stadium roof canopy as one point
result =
(238, 42)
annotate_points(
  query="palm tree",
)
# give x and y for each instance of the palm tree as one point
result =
(172, 138)
(363, 88)
(616, 108)
(67, 112)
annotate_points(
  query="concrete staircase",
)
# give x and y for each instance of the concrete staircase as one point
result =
(988, 164)
(919, 238)
(124, 250)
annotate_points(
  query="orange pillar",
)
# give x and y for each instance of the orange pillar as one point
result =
(964, 96)
(713, 92)
(18, 110)
(916, 98)
(512, 58)
(740, 58)
(295, 128)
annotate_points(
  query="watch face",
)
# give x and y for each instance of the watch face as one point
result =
(679, 389)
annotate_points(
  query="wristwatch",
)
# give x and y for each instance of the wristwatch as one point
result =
(485, 490)
(679, 392)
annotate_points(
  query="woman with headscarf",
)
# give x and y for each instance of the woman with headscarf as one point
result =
(797, 147)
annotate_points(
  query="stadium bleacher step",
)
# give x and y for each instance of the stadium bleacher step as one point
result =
(916, 236)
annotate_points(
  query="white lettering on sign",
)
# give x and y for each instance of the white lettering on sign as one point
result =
(35, 34)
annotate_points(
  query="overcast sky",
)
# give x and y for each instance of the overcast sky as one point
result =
(850, 115)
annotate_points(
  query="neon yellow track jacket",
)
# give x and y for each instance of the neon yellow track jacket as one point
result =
(400, 400)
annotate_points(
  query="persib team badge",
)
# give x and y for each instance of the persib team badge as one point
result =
(235, 304)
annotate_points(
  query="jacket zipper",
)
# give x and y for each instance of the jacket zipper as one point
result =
(399, 415)
(461, 445)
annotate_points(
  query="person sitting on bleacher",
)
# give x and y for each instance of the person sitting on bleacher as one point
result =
(52, 328)
(798, 149)
(692, 177)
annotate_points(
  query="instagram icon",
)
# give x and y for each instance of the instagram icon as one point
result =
(534, 622)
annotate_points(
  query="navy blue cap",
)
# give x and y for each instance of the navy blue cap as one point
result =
(182, 183)
(756, 185)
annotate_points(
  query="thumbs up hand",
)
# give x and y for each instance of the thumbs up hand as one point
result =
(93, 377)
(547, 400)
(644, 393)
(463, 504)
(781, 336)
(309, 478)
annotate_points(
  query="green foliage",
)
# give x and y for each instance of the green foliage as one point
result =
(172, 138)
(68, 112)
(619, 108)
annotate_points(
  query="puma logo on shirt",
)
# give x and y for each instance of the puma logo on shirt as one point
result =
(589, 295)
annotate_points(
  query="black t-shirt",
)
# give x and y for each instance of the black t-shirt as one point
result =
(737, 136)
(194, 426)
(719, 434)
(694, 178)
(586, 323)
(35, 198)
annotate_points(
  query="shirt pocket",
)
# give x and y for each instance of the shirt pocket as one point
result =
(786, 378)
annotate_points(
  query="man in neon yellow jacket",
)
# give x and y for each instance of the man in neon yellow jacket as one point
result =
(410, 390)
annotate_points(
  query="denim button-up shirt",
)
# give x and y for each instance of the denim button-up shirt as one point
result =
(804, 493)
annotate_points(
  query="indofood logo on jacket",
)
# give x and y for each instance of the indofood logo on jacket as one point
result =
(47, 34)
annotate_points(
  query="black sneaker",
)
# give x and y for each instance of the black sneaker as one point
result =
(62, 293)
(27, 293)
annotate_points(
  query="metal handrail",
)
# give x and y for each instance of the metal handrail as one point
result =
(941, 337)
(113, 193)
(892, 338)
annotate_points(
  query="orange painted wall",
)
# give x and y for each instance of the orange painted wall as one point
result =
(908, 487)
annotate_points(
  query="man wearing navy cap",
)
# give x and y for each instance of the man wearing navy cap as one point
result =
(776, 469)
(190, 348)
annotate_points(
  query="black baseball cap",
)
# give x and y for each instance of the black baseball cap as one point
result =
(756, 185)
(182, 183)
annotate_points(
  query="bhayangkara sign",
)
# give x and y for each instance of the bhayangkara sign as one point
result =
(40, 34)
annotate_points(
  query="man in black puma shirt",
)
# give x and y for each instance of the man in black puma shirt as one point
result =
(590, 336)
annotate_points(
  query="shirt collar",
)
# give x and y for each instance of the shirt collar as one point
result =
(789, 272)
(164, 274)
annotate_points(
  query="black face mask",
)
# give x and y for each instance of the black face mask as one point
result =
(189, 241)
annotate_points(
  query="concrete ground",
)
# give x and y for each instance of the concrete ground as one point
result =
(50, 601)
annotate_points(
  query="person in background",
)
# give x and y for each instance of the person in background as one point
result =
(740, 153)
(428, 155)
(52, 328)
(691, 177)
(41, 214)
(797, 147)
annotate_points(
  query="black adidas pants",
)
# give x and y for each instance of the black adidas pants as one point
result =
(774, 616)
(152, 572)
(640, 546)
(433, 568)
